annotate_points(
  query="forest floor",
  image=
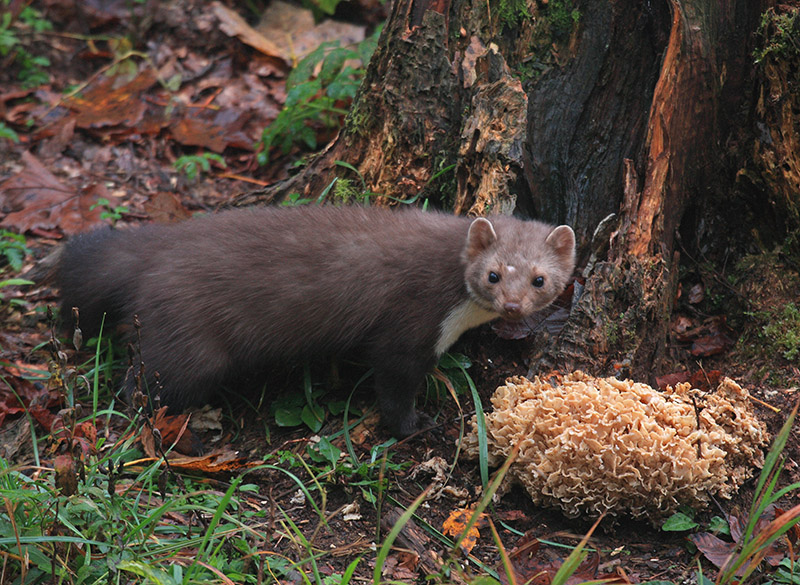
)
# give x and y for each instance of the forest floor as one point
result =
(132, 106)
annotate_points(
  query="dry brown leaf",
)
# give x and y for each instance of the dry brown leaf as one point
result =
(164, 207)
(537, 565)
(107, 104)
(714, 548)
(174, 433)
(221, 461)
(672, 379)
(84, 435)
(214, 130)
(38, 200)
(66, 468)
(401, 566)
(718, 551)
(35, 398)
(294, 27)
(696, 294)
(234, 25)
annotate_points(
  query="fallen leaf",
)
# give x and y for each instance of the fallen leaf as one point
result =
(456, 523)
(61, 136)
(163, 207)
(104, 11)
(680, 326)
(794, 532)
(294, 26)
(351, 512)
(215, 130)
(107, 104)
(714, 548)
(174, 434)
(64, 429)
(221, 461)
(401, 566)
(206, 419)
(718, 551)
(536, 564)
(36, 398)
(672, 379)
(512, 515)
(711, 337)
(709, 345)
(38, 200)
(706, 380)
(43, 416)
(234, 25)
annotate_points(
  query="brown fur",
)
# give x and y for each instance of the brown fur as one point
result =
(230, 292)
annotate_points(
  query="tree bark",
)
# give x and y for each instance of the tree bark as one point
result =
(623, 124)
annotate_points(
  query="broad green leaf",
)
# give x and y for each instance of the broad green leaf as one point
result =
(679, 522)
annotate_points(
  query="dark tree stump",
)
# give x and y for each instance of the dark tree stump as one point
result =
(626, 119)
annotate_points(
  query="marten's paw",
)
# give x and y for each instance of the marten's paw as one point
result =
(418, 423)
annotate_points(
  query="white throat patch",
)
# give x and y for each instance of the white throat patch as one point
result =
(462, 317)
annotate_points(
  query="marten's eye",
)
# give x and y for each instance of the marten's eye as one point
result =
(538, 282)
(494, 278)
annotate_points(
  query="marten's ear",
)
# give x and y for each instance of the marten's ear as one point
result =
(562, 240)
(481, 235)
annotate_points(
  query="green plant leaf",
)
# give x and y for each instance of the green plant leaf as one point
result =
(305, 67)
(288, 417)
(344, 85)
(302, 92)
(333, 62)
(450, 361)
(326, 6)
(329, 451)
(307, 136)
(5, 131)
(719, 525)
(679, 522)
(313, 415)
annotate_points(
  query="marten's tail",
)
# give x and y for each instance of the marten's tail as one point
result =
(94, 277)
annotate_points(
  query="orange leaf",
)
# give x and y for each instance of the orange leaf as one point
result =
(457, 522)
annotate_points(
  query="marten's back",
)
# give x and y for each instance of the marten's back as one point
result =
(284, 280)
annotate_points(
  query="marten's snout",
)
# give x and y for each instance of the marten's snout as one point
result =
(512, 310)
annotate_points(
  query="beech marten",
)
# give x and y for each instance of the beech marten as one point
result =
(230, 292)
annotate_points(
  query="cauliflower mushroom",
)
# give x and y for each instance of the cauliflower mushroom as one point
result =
(592, 445)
